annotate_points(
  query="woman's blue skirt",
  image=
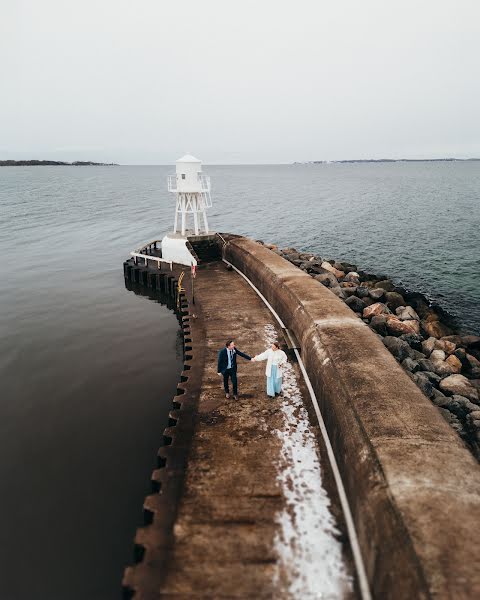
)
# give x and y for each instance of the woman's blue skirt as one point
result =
(274, 382)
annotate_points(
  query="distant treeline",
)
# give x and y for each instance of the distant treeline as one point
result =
(386, 160)
(45, 163)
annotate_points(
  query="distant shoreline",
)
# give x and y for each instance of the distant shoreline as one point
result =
(48, 163)
(385, 160)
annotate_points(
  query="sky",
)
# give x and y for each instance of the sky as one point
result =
(239, 82)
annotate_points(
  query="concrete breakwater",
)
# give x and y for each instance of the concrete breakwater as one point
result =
(444, 364)
(413, 488)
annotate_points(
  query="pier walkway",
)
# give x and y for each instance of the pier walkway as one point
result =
(253, 518)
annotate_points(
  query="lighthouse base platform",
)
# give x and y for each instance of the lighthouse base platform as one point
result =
(178, 248)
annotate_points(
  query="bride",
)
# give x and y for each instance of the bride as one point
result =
(275, 359)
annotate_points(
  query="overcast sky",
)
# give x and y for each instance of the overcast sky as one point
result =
(239, 82)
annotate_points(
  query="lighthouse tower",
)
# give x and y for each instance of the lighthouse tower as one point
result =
(192, 189)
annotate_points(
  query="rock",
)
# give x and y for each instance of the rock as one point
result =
(459, 385)
(386, 285)
(455, 339)
(436, 329)
(316, 267)
(467, 406)
(348, 284)
(413, 340)
(424, 384)
(379, 324)
(428, 346)
(376, 293)
(399, 348)
(406, 313)
(327, 279)
(438, 398)
(445, 345)
(471, 341)
(338, 292)
(434, 378)
(410, 365)
(349, 291)
(394, 300)
(415, 354)
(328, 267)
(452, 420)
(437, 355)
(442, 368)
(375, 309)
(426, 365)
(397, 327)
(368, 301)
(455, 364)
(473, 365)
(352, 277)
(356, 304)
(362, 292)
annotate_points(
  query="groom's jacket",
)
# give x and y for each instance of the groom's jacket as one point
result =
(223, 359)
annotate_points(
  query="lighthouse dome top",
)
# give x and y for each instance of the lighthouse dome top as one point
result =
(188, 158)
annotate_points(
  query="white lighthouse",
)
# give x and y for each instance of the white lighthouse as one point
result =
(192, 197)
(192, 189)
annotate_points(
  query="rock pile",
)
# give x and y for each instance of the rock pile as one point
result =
(444, 364)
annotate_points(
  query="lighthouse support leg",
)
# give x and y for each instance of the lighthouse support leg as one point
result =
(184, 208)
(205, 220)
(175, 226)
(195, 216)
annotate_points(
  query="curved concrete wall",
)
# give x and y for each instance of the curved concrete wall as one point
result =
(414, 490)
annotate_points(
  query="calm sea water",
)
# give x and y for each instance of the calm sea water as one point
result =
(88, 369)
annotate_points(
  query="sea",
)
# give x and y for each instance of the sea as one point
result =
(88, 367)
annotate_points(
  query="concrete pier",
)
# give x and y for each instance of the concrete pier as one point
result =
(413, 488)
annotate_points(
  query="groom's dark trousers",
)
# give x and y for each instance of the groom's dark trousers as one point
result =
(230, 373)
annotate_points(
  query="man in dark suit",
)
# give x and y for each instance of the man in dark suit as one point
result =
(227, 366)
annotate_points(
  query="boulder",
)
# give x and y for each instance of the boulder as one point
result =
(356, 304)
(452, 420)
(445, 345)
(428, 346)
(349, 291)
(316, 267)
(386, 285)
(459, 385)
(399, 348)
(376, 293)
(379, 324)
(473, 365)
(424, 383)
(437, 355)
(455, 339)
(397, 327)
(436, 329)
(471, 341)
(328, 267)
(327, 279)
(413, 340)
(454, 363)
(338, 292)
(352, 277)
(426, 365)
(348, 284)
(442, 368)
(375, 309)
(415, 354)
(434, 378)
(406, 313)
(362, 291)
(394, 300)
(410, 365)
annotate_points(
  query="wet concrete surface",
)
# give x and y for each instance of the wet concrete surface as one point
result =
(237, 530)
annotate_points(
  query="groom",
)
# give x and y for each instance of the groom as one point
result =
(227, 366)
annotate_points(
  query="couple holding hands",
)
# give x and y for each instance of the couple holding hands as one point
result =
(227, 367)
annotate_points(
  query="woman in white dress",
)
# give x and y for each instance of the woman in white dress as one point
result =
(275, 359)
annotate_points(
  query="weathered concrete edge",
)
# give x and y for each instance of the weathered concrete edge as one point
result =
(413, 488)
(154, 541)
